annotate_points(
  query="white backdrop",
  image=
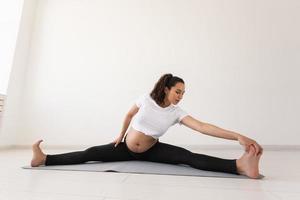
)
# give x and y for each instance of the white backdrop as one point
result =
(89, 60)
(10, 16)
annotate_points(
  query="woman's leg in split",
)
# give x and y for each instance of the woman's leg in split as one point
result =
(105, 153)
(166, 153)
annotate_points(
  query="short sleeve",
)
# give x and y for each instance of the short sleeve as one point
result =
(140, 101)
(180, 115)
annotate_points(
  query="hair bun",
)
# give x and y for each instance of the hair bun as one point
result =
(168, 78)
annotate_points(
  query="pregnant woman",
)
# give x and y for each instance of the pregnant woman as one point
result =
(150, 117)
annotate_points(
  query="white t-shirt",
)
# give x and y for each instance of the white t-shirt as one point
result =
(154, 120)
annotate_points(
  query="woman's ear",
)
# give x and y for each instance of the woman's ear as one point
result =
(167, 90)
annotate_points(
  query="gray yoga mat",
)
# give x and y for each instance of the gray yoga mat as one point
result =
(139, 167)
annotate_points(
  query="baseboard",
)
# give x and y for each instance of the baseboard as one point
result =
(4, 147)
(204, 147)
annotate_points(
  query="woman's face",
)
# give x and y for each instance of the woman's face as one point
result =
(175, 94)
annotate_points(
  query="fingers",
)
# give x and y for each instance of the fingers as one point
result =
(247, 147)
(258, 149)
(247, 143)
(253, 150)
(117, 142)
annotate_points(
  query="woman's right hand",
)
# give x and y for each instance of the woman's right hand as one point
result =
(247, 142)
(118, 140)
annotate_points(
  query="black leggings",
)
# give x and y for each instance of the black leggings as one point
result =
(159, 152)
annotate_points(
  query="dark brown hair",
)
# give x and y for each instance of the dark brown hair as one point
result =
(167, 80)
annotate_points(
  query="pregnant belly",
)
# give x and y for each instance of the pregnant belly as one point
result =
(138, 142)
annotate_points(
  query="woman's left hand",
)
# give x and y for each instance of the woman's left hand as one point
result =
(247, 142)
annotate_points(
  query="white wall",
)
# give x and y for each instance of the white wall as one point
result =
(10, 16)
(10, 128)
(89, 60)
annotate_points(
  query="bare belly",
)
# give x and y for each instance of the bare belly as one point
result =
(138, 142)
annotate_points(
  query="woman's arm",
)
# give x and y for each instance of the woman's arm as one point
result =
(133, 110)
(212, 130)
(209, 129)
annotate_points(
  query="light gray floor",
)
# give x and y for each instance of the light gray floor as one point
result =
(281, 168)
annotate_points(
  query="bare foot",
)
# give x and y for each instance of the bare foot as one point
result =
(39, 157)
(248, 164)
